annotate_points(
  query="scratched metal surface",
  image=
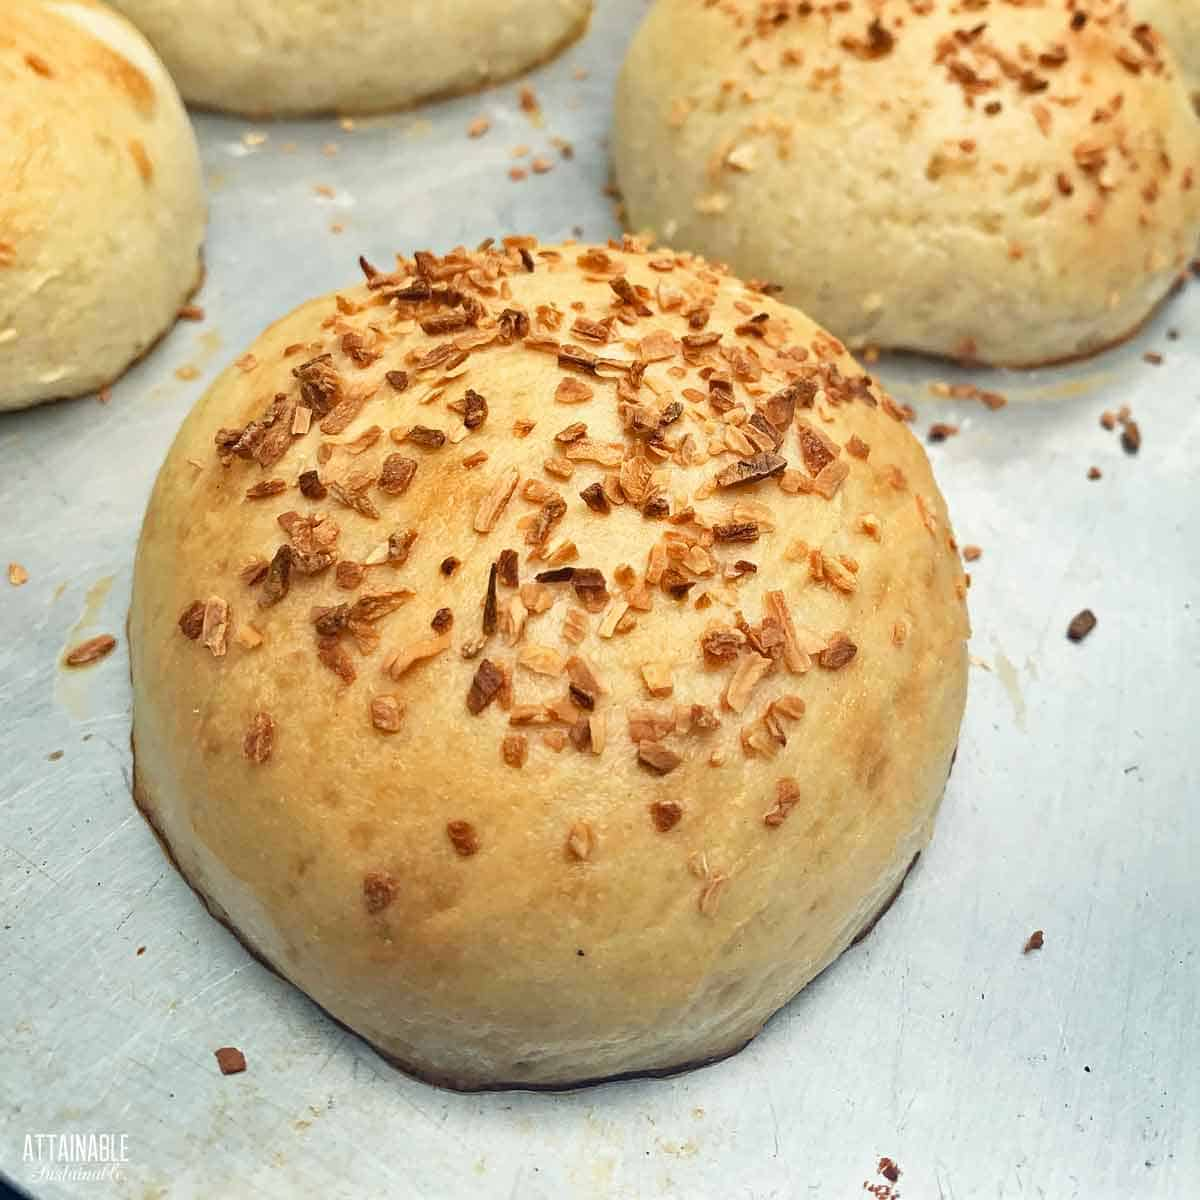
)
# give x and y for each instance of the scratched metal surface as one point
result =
(1073, 807)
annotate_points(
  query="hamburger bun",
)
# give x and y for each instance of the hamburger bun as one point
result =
(1012, 184)
(102, 210)
(548, 658)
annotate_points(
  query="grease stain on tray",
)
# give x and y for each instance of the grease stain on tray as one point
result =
(1010, 680)
(1066, 389)
(373, 121)
(602, 1172)
(685, 1149)
(207, 346)
(71, 690)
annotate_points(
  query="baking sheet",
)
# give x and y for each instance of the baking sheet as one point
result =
(1073, 807)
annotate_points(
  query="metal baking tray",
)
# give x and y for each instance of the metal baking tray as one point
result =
(981, 1071)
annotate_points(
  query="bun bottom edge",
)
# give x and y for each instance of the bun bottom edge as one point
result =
(1060, 360)
(449, 1082)
(454, 92)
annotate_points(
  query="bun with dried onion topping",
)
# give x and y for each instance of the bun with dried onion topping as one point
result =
(997, 182)
(548, 658)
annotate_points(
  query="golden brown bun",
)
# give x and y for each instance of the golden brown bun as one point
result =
(1013, 184)
(101, 200)
(524, 884)
(295, 57)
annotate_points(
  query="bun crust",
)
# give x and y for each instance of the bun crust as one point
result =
(102, 208)
(296, 57)
(601, 823)
(1177, 22)
(1011, 184)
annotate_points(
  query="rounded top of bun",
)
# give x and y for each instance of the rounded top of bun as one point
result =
(102, 209)
(490, 620)
(1006, 183)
